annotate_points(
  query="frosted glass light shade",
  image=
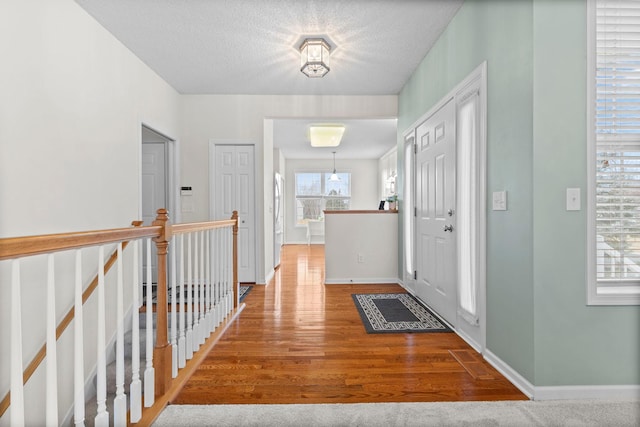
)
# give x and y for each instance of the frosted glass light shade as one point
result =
(326, 135)
(314, 57)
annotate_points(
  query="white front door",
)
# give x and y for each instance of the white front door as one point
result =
(234, 184)
(436, 212)
(154, 192)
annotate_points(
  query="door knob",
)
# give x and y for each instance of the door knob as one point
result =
(448, 228)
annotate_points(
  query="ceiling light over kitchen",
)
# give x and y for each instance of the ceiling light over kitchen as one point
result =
(325, 135)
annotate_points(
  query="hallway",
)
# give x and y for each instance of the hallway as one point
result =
(299, 341)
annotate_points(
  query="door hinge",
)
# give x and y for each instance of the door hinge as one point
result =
(415, 274)
(415, 211)
(415, 148)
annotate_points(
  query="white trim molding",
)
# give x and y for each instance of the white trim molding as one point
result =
(364, 281)
(564, 392)
(578, 392)
(511, 374)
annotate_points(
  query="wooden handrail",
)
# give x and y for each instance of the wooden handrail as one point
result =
(200, 226)
(64, 323)
(16, 247)
(161, 232)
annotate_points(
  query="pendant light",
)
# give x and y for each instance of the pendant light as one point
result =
(334, 175)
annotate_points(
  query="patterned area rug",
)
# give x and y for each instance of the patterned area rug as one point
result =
(244, 290)
(396, 313)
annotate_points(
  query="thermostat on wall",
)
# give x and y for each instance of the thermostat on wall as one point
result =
(185, 191)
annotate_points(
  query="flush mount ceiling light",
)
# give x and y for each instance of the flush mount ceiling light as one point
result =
(314, 57)
(325, 135)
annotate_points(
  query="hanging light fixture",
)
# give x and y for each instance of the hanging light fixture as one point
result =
(334, 176)
(314, 57)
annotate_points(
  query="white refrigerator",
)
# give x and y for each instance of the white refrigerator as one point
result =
(278, 217)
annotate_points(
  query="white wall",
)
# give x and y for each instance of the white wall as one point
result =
(249, 118)
(364, 189)
(73, 100)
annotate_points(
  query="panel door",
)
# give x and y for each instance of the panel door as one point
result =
(435, 194)
(235, 190)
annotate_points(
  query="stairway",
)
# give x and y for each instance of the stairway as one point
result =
(91, 405)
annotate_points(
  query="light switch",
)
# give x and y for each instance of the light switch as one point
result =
(499, 200)
(573, 199)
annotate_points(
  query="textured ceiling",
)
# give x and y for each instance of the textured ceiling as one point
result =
(251, 47)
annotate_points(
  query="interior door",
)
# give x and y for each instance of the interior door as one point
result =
(235, 190)
(154, 192)
(436, 199)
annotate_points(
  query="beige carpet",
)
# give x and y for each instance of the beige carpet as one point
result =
(511, 413)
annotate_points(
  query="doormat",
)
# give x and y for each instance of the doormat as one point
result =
(244, 290)
(396, 313)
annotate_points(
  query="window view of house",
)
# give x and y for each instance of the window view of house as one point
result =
(315, 192)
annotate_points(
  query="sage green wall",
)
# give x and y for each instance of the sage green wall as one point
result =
(575, 344)
(499, 32)
(537, 318)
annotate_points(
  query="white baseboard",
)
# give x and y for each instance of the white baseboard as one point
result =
(269, 277)
(511, 374)
(363, 281)
(567, 392)
(579, 392)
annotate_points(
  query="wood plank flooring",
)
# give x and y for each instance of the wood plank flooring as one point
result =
(300, 341)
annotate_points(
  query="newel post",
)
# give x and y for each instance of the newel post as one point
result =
(162, 350)
(236, 289)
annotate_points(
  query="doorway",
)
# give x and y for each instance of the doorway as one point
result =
(447, 194)
(156, 175)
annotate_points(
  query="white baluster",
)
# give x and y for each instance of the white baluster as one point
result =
(219, 278)
(51, 362)
(234, 290)
(203, 284)
(229, 270)
(189, 343)
(120, 401)
(17, 387)
(78, 347)
(181, 339)
(209, 285)
(196, 286)
(214, 279)
(174, 313)
(149, 372)
(135, 389)
(102, 417)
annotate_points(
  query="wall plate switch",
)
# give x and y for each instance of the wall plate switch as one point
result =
(573, 199)
(499, 200)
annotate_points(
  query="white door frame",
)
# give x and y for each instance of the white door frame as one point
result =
(172, 173)
(476, 77)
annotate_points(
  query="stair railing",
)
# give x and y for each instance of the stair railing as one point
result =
(208, 293)
(62, 326)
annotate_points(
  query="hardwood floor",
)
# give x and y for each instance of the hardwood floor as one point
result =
(300, 341)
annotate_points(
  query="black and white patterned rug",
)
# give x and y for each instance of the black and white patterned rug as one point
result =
(244, 290)
(396, 313)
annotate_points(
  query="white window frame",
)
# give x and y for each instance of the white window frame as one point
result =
(597, 294)
(324, 197)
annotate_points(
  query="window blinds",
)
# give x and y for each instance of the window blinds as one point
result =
(617, 126)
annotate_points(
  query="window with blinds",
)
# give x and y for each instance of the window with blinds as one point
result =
(616, 110)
